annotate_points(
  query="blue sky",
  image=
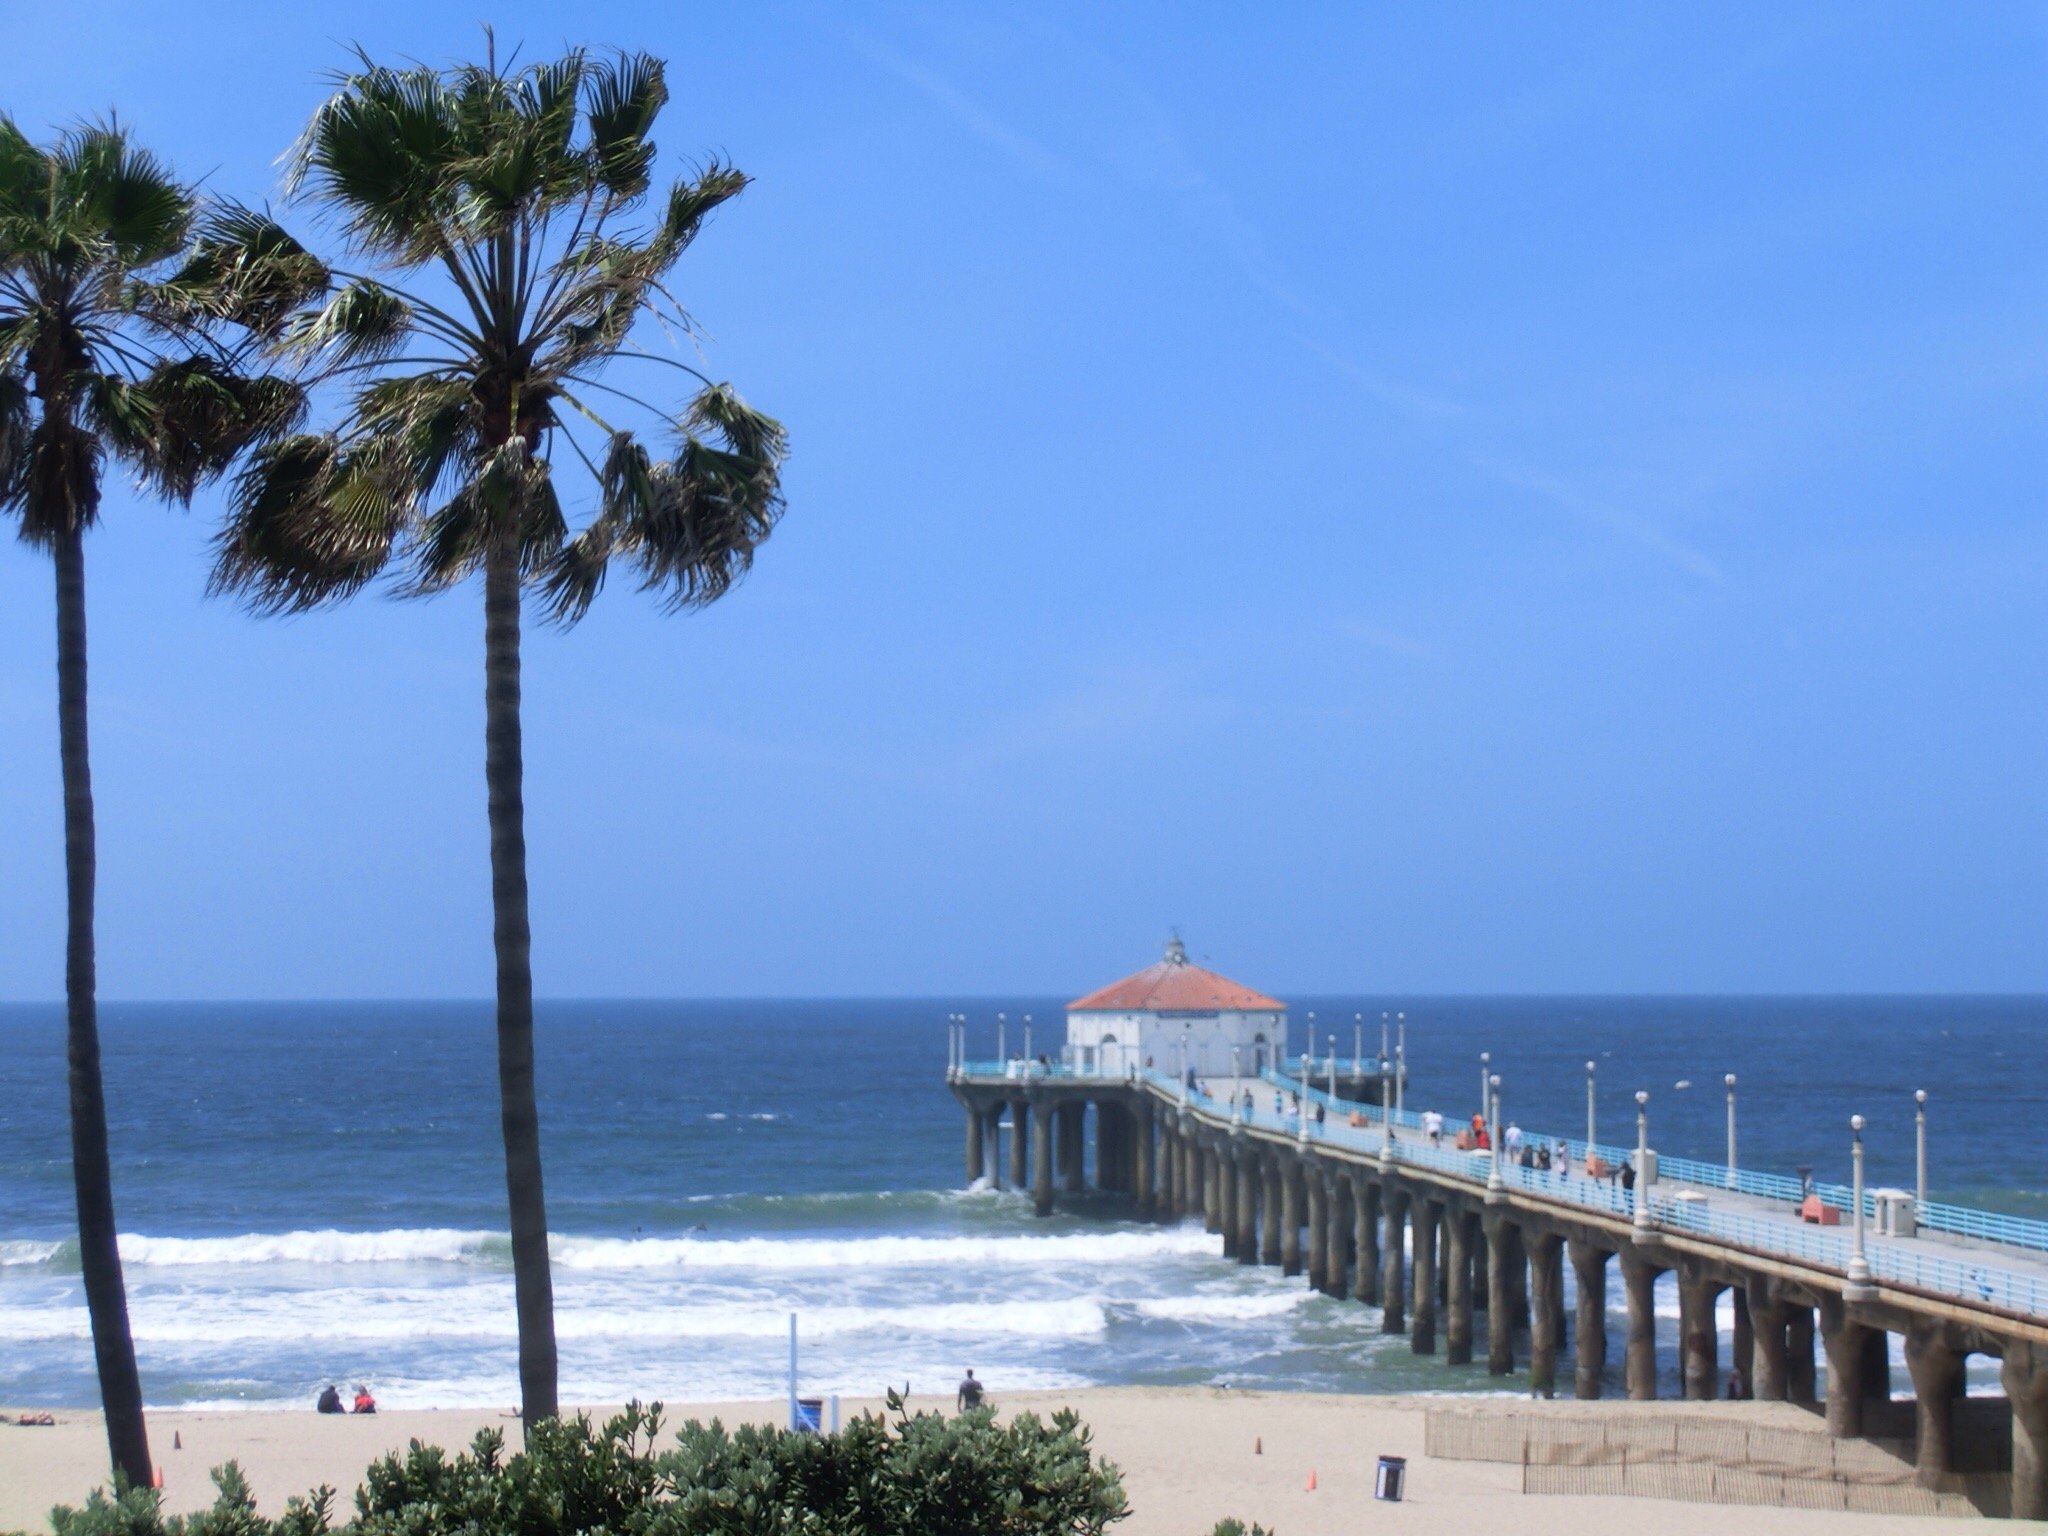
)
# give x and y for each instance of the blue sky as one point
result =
(1485, 498)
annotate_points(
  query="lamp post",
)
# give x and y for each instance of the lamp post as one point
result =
(1384, 1052)
(1182, 1047)
(1642, 1165)
(1591, 1139)
(1859, 1287)
(1919, 1151)
(1357, 1043)
(1400, 1062)
(1386, 1128)
(1307, 1052)
(1236, 1096)
(1333, 1070)
(1002, 1045)
(1308, 1046)
(1730, 1081)
(1027, 1039)
(1495, 1188)
(1485, 1062)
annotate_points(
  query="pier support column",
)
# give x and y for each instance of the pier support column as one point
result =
(974, 1145)
(1518, 1278)
(2025, 1374)
(1250, 1207)
(1141, 1162)
(1041, 1162)
(1269, 1213)
(1318, 1227)
(1800, 1378)
(1500, 1309)
(1337, 1216)
(1767, 1357)
(1074, 1122)
(1393, 1276)
(1365, 1237)
(1229, 1197)
(1458, 1301)
(1422, 1324)
(1639, 1279)
(1935, 1359)
(1589, 1268)
(1020, 1142)
(1212, 1200)
(1847, 1344)
(1290, 1221)
(1742, 1368)
(1546, 1310)
(1699, 1344)
(1190, 1176)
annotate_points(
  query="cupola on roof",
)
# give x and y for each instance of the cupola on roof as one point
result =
(1175, 985)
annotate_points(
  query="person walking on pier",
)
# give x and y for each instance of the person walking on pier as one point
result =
(1433, 1126)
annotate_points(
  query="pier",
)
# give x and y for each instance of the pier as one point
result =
(1464, 1251)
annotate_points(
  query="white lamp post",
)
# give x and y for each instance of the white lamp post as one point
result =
(1642, 1165)
(1730, 1081)
(1591, 1139)
(1002, 1045)
(1859, 1287)
(1400, 1062)
(1386, 1128)
(1495, 1187)
(1384, 1040)
(1307, 1047)
(1333, 1069)
(1919, 1151)
(1027, 1039)
(1485, 1062)
(1236, 1096)
(1357, 1042)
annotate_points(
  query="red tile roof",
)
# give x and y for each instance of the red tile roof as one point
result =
(1175, 986)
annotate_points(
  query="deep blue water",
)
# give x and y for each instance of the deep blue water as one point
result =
(313, 1189)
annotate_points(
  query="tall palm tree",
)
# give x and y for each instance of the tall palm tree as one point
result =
(101, 352)
(510, 251)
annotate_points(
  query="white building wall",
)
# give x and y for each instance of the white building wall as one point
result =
(1118, 1042)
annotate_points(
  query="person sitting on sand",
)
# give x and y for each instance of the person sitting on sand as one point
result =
(330, 1400)
(364, 1402)
(969, 1395)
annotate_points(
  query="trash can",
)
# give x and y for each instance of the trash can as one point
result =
(1392, 1479)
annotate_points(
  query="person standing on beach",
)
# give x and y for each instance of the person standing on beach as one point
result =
(969, 1395)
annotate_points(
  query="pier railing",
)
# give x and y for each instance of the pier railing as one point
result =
(1670, 1209)
(1933, 1216)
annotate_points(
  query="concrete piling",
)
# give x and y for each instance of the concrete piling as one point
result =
(1422, 1324)
(1546, 1284)
(1318, 1228)
(1589, 1269)
(1458, 1302)
(1699, 1342)
(1041, 1163)
(2024, 1371)
(1393, 1277)
(1500, 1312)
(1845, 1341)
(1934, 1357)
(1639, 1280)
(1365, 1237)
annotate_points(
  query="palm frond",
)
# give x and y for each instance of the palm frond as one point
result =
(622, 97)
(60, 481)
(242, 267)
(359, 320)
(118, 197)
(308, 523)
(16, 422)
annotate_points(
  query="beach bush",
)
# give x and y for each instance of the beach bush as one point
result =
(902, 1474)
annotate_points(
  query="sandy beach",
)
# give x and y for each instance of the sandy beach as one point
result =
(1190, 1456)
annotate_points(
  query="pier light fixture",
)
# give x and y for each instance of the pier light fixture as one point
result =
(1642, 1217)
(1591, 1139)
(1357, 1043)
(1730, 1081)
(1859, 1287)
(1386, 1126)
(1307, 1065)
(1027, 1039)
(1919, 1151)
(1002, 1045)
(1236, 1092)
(1495, 1187)
(1385, 1038)
(1485, 1065)
(1400, 1062)
(1333, 1071)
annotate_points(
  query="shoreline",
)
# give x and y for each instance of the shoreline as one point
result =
(1190, 1456)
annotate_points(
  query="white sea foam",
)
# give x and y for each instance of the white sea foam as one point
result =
(1223, 1309)
(403, 1245)
(798, 1253)
(23, 1251)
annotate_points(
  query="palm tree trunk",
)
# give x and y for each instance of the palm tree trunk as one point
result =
(99, 1256)
(504, 773)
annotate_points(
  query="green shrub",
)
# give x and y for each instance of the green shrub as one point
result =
(904, 1475)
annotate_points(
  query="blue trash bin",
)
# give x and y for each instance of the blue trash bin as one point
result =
(1392, 1480)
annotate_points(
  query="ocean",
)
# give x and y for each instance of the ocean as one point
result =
(313, 1192)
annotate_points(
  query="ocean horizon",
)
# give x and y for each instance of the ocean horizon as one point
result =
(313, 1191)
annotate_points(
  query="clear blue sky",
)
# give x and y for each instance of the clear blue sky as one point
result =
(1449, 498)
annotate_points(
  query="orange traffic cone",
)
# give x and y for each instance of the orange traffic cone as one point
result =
(159, 1478)
(1311, 1480)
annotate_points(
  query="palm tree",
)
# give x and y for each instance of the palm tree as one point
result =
(511, 251)
(96, 357)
